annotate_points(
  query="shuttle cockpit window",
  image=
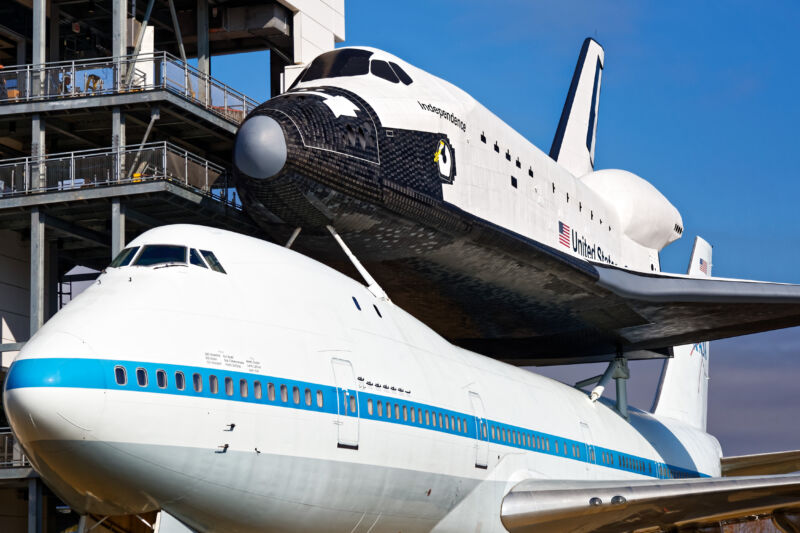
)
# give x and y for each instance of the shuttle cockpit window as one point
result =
(347, 62)
(383, 70)
(405, 78)
(124, 257)
(161, 254)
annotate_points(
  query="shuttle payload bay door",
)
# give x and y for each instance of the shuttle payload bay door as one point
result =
(347, 403)
(481, 431)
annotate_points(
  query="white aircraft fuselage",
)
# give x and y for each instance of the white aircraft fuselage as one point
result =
(363, 418)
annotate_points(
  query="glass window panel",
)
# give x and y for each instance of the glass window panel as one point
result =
(383, 70)
(198, 382)
(157, 254)
(120, 375)
(124, 257)
(308, 397)
(161, 379)
(213, 384)
(284, 394)
(243, 388)
(271, 392)
(141, 377)
(180, 380)
(257, 392)
(319, 399)
(212, 261)
(195, 259)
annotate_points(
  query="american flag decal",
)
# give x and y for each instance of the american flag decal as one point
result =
(563, 234)
(704, 267)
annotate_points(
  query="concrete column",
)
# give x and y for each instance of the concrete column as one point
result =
(37, 270)
(117, 227)
(35, 517)
(203, 48)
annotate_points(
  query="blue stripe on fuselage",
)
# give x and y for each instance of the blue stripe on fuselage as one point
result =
(99, 374)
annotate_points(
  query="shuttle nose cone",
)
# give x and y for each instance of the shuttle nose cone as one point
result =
(260, 149)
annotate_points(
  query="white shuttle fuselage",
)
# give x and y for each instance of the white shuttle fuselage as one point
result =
(276, 394)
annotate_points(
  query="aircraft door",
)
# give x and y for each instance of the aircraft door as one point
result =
(347, 403)
(589, 451)
(481, 431)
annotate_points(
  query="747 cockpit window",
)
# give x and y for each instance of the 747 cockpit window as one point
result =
(124, 257)
(212, 261)
(157, 254)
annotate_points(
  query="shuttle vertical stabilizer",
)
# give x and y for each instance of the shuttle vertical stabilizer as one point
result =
(573, 145)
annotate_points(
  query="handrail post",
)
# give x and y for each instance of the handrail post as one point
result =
(164, 156)
(27, 82)
(71, 170)
(206, 167)
(72, 77)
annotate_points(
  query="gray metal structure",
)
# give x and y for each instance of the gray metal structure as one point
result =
(106, 130)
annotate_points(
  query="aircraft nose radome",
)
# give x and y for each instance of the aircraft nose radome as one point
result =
(54, 398)
(260, 149)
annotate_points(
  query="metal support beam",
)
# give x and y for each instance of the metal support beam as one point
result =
(118, 139)
(203, 48)
(37, 271)
(11, 347)
(37, 88)
(293, 237)
(117, 227)
(73, 230)
(141, 218)
(35, 517)
(602, 383)
(51, 277)
(154, 115)
(372, 285)
(621, 374)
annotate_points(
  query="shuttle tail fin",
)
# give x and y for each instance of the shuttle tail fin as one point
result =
(573, 144)
(683, 389)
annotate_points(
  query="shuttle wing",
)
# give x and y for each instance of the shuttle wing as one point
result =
(543, 506)
(560, 309)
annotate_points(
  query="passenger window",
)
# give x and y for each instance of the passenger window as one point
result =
(413, 418)
(296, 395)
(446, 422)
(405, 414)
(453, 422)
(124, 257)
(229, 386)
(369, 406)
(556, 446)
(284, 394)
(493, 434)
(212, 261)
(483, 426)
(440, 420)
(157, 254)
(397, 411)
(161, 379)
(195, 259)
(213, 384)
(388, 410)
(141, 377)
(198, 382)
(419, 415)
(257, 392)
(427, 418)
(308, 397)
(120, 375)
(243, 388)
(270, 392)
(405, 78)
(319, 399)
(352, 403)
(383, 70)
(380, 408)
(356, 302)
(180, 380)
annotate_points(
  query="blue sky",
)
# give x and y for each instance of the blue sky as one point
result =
(699, 98)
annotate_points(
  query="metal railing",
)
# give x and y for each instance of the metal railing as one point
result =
(126, 74)
(11, 454)
(106, 166)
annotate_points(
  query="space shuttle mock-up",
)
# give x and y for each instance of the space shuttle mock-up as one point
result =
(525, 256)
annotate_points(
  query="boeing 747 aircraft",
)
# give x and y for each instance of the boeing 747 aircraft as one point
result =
(529, 257)
(237, 386)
